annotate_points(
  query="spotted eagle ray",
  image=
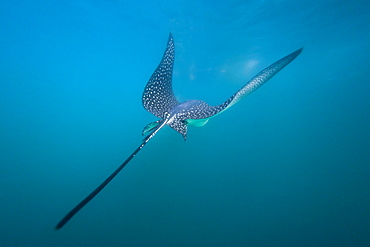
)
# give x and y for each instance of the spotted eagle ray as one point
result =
(158, 98)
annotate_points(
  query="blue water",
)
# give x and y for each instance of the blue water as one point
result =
(287, 166)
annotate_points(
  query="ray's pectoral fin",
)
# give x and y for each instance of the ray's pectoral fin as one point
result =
(257, 81)
(158, 97)
(260, 79)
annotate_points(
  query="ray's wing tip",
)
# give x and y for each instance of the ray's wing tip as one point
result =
(292, 56)
(297, 52)
(170, 37)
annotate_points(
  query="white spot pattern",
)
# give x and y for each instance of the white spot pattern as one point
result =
(158, 97)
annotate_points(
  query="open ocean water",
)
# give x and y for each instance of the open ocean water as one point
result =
(289, 165)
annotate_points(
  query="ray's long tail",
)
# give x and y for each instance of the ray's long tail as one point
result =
(99, 188)
(106, 181)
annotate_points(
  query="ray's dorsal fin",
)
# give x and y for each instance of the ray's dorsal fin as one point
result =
(158, 97)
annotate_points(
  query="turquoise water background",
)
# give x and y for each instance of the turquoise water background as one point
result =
(287, 166)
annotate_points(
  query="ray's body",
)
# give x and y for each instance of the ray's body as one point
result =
(158, 98)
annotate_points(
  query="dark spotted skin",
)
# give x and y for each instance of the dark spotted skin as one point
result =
(158, 96)
(190, 109)
(159, 99)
